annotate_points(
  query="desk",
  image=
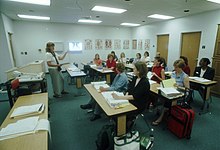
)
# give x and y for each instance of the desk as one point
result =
(105, 71)
(75, 72)
(207, 87)
(120, 113)
(36, 141)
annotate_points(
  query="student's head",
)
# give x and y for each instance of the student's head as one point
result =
(113, 53)
(140, 69)
(97, 56)
(138, 55)
(178, 65)
(157, 61)
(204, 62)
(110, 57)
(163, 62)
(50, 47)
(120, 67)
(184, 59)
(122, 55)
(146, 54)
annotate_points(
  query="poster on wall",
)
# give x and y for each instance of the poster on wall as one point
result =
(98, 44)
(140, 44)
(117, 44)
(88, 44)
(134, 44)
(108, 44)
(126, 44)
(147, 44)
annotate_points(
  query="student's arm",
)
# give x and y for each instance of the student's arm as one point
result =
(126, 97)
(186, 82)
(162, 75)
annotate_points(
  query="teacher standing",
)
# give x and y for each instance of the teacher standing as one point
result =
(54, 68)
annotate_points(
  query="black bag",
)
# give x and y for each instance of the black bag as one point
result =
(105, 137)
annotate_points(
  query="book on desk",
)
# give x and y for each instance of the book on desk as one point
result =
(30, 110)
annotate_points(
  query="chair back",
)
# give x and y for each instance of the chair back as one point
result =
(15, 84)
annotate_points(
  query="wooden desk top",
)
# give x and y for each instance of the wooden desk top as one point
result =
(104, 105)
(210, 83)
(153, 88)
(103, 71)
(36, 141)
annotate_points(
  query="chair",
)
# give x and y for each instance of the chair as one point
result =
(14, 90)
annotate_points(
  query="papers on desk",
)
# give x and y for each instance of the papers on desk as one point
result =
(152, 82)
(168, 83)
(23, 127)
(75, 69)
(113, 103)
(170, 92)
(97, 85)
(199, 79)
(27, 110)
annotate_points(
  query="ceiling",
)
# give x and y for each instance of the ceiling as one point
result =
(69, 11)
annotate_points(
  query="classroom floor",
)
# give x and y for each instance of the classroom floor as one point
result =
(71, 128)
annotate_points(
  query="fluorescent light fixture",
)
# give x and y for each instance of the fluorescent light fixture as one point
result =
(108, 9)
(33, 17)
(89, 21)
(158, 16)
(38, 2)
(214, 1)
(129, 24)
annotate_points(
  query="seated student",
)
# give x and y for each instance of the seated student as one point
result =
(186, 69)
(164, 64)
(114, 56)
(97, 60)
(138, 91)
(146, 57)
(203, 71)
(157, 70)
(182, 80)
(138, 58)
(122, 58)
(119, 84)
(111, 64)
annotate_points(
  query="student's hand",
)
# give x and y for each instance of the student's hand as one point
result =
(102, 88)
(115, 96)
(175, 85)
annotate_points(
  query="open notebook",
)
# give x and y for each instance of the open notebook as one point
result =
(168, 83)
(97, 85)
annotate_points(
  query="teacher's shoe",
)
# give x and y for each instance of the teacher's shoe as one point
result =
(57, 96)
(86, 106)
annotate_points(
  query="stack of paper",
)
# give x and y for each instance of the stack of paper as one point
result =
(74, 69)
(28, 110)
(170, 92)
(113, 102)
(97, 85)
(199, 79)
(23, 127)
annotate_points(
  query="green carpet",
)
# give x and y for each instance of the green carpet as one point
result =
(71, 128)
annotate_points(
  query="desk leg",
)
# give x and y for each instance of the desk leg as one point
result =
(121, 125)
(78, 82)
(205, 107)
(108, 79)
(79, 86)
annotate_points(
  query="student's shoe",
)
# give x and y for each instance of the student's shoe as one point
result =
(155, 123)
(64, 92)
(57, 96)
(86, 106)
(95, 117)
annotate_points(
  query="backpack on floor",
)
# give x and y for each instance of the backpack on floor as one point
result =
(105, 137)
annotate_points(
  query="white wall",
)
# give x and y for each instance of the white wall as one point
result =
(31, 36)
(6, 26)
(207, 23)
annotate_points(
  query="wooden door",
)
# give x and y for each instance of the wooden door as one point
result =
(216, 63)
(190, 48)
(162, 45)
